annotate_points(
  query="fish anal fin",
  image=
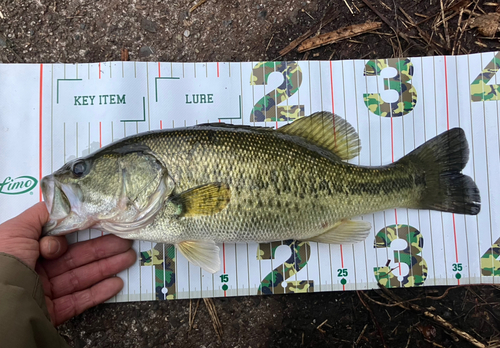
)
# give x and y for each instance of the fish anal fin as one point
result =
(344, 232)
(204, 200)
(201, 253)
(328, 131)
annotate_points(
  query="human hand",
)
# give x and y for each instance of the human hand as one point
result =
(74, 277)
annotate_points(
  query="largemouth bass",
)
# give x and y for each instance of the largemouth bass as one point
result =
(196, 186)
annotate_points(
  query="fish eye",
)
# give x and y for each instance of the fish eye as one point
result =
(79, 168)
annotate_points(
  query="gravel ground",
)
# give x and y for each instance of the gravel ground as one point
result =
(41, 31)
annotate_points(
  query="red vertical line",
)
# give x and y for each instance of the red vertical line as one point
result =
(40, 136)
(224, 261)
(159, 70)
(217, 69)
(276, 124)
(161, 124)
(99, 70)
(342, 262)
(448, 127)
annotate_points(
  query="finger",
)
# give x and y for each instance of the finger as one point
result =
(83, 277)
(82, 253)
(71, 305)
(29, 223)
(52, 247)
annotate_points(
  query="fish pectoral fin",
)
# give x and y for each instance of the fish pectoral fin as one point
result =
(201, 253)
(203, 200)
(344, 232)
(326, 130)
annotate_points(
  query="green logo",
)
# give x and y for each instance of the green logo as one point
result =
(17, 186)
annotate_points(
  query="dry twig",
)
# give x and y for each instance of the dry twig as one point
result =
(198, 4)
(191, 319)
(327, 18)
(338, 35)
(213, 314)
(124, 55)
(427, 312)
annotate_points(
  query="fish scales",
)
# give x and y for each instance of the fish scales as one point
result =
(280, 189)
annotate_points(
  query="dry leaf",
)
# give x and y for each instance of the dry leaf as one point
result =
(487, 24)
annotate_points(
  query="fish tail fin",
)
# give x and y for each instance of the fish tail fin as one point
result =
(439, 163)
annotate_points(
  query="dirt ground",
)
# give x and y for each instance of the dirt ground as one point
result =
(40, 31)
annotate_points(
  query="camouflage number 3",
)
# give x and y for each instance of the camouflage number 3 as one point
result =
(273, 282)
(407, 95)
(410, 255)
(490, 263)
(164, 268)
(266, 108)
(479, 90)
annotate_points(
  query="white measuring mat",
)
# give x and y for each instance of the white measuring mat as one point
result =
(52, 113)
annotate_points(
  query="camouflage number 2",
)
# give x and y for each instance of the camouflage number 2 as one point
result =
(410, 256)
(162, 258)
(479, 90)
(407, 95)
(273, 282)
(267, 109)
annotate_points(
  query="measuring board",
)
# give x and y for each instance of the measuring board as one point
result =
(52, 113)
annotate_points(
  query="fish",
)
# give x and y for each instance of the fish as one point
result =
(210, 183)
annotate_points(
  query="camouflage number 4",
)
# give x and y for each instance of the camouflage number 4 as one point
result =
(164, 268)
(273, 282)
(410, 256)
(479, 89)
(267, 109)
(407, 95)
(490, 263)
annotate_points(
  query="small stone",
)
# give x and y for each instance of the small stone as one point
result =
(148, 25)
(263, 14)
(82, 26)
(178, 37)
(145, 51)
(3, 41)
(186, 33)
(227, 23)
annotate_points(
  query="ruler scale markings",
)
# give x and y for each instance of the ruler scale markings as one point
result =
(459, 114)
(448, 127)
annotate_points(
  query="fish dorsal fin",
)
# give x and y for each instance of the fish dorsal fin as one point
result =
(344, 232)
(328, 131)
(203, 200)
(201, 253)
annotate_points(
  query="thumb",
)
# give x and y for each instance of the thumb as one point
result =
(52, 247)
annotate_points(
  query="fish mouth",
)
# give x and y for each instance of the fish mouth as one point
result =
(63, 202)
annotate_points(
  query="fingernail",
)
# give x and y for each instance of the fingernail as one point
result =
(54, 246)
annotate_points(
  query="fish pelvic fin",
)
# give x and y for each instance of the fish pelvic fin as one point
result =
(201, 253)
(203, 200)
(438, 164)
(344, 232)
(328, 131)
